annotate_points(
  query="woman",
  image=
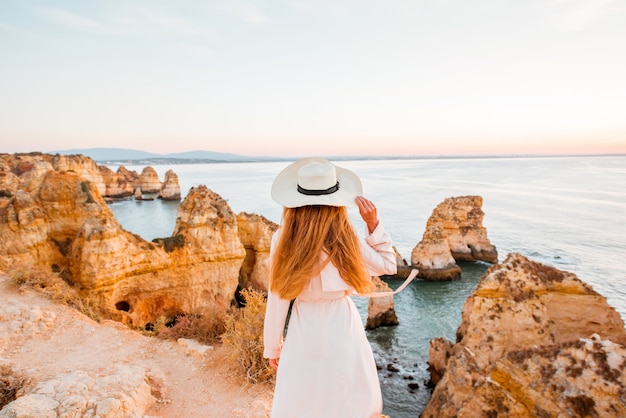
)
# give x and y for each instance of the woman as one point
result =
(325, 367)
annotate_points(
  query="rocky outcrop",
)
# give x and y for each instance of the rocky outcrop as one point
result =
(149, 181)
(38, 228)
(65, 226)
(454, 232)
(137, 282)
(433, 256)
(117, 187)
(32, 166)
(534, 341)
(130, 176)
(255, 233)
(26, 171)
(122, 391)
(380, 310)
(9, 182)
(170, 189)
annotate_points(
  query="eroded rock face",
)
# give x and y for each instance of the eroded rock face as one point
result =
(149, 181)
(64, 225)
(137, 282)
(31, 167)
(454, 232)
(534, 341)
(130, 176)
(170, 190)
(255, 233)
(38, 228)
(116, 186)
(9, 182)
(433, 256)
(26, 171)
(380, 310)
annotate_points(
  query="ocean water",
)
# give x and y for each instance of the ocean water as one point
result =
(566, 212)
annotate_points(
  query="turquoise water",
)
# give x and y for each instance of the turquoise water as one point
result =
(567, 212)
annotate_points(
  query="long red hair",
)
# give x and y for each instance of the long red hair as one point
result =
(306, 232)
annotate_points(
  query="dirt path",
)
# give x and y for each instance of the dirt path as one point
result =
(57, 340)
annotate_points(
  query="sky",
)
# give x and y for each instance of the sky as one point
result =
(314, 77)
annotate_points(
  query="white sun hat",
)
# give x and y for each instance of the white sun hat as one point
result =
(316, 181)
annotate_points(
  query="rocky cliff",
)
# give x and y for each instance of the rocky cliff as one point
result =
(137, 282)
(149, 181)
(255, 232)
(57, 220)
(454, 232)
(24, 171)
(29, 168)
(116, 185)
(170, 189)
(380, 310)
(534, 342)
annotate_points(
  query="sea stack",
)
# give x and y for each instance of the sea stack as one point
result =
(170, 189)
(454, 232)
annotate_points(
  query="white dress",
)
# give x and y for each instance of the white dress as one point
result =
(326, 366)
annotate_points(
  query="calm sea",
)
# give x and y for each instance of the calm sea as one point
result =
(567, 212)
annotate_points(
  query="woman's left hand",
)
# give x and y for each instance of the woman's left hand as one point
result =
(368, 212)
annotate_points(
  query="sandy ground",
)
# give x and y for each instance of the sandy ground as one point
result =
(196, 385)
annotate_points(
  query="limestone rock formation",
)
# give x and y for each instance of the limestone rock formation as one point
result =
(65, 226)
(149, 181)
(31, 167)
(38, 228)
(130, 176)
(534, 341)
(9, 182)
(170, 190)
(433, 256)
(380, 310)
(116, 186)
(255, 233)
(26, 171)
(137, 282)
(123, 391)
(403, 268)
(454, 232)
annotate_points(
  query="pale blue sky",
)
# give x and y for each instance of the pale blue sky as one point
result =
(314, 77)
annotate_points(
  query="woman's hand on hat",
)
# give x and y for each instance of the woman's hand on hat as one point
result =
(274, 363)
(368, 212)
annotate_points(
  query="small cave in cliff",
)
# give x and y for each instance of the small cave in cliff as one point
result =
(122, 306)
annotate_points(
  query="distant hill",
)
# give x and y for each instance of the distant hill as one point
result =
(111, 155)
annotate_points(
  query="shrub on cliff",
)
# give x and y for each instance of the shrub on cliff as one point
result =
(243, 339)
(205, 329)
(171, 243)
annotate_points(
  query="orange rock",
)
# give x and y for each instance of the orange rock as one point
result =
(454, 232)
(534, 341)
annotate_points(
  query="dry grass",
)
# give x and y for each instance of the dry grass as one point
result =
(54, 287)
(205, 329)
(240, 331)
(10, 384)
(243, 339)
